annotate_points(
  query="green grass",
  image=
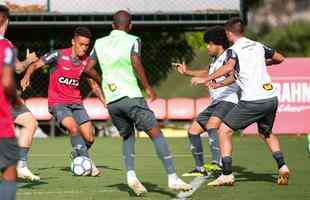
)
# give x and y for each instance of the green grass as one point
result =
(253, 165)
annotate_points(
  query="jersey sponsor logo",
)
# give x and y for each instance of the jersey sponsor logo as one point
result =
(268, 86)
(68, 81)
(112, 87)
(65, 58)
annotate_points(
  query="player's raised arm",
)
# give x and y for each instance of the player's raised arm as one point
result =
(48, 58)
(272, 56)
(183, 69)
(21, 66)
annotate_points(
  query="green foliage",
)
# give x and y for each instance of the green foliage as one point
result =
(293, 40)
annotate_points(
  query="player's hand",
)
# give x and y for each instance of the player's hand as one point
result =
(198, 81)
(181, 68)
(151, 93)
(24, 83)
(31, 57)
(213, 85)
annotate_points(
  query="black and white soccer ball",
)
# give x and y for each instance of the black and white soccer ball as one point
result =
(81, 166)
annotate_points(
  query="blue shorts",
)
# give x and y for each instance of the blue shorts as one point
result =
(77, 111)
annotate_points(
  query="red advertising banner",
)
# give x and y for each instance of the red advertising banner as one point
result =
(292, 82)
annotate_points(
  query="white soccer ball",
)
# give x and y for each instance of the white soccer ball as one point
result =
(81, 166)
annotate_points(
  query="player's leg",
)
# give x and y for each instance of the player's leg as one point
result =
(265, 126)
(87, 131)
(145, 120)
(88, 134)
(8, 183)
(239, 117)
(8, 160)
(219, 112)
(125, 128)
(25, 119)
(196, 147)
(64, 115)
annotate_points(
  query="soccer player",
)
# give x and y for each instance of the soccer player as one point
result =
(28, 123)
(119, 56)
(64, 98)
(223, 100)
(23, 117)
(8, 144)
(258, 102)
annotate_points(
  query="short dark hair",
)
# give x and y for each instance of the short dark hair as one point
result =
(217, 35)
(235, 25)
(82, 31)
(4, 10)
(122, 17)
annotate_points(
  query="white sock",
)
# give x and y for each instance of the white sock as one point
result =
(131, 175)
(172, 177)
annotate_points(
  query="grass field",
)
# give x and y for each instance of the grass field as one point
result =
(254, 167)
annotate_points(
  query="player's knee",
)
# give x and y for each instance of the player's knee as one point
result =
(154, 132)
(73, 130)
(225, 129)
(195, 129)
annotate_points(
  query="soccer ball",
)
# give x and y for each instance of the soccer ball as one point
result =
(81, 166)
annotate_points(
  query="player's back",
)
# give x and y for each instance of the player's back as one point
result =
(6, 122)
(251, 70)
(114, 56)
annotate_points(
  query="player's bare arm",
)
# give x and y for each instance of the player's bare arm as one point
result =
(97, 90)
(33, 67)
(91, 71)
(230, 79)
(21, 66)
(222, 71)
(183, 69)
(277, 58)
(138, 66)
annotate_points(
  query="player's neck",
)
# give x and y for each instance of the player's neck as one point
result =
(221, 51)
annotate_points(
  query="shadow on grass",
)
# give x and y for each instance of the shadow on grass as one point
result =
(62, 168)
(25, 184)
(149, 186)
(250, 176)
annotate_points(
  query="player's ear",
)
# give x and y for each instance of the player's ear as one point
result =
(73, 42)
(130, 26)
(113, 26)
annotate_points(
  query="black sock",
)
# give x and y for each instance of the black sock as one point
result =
(278, 156)
(227, 165)
(197, 149)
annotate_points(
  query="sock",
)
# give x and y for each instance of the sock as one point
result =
(79, 146)
(214, 145)
(131, 175)
(278, 156)
(23, 157)
(197, 149)
(129, 152)
(8, 190)
(163, 153)
(227, 165)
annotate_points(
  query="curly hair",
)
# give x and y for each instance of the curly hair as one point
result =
(217, 35)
